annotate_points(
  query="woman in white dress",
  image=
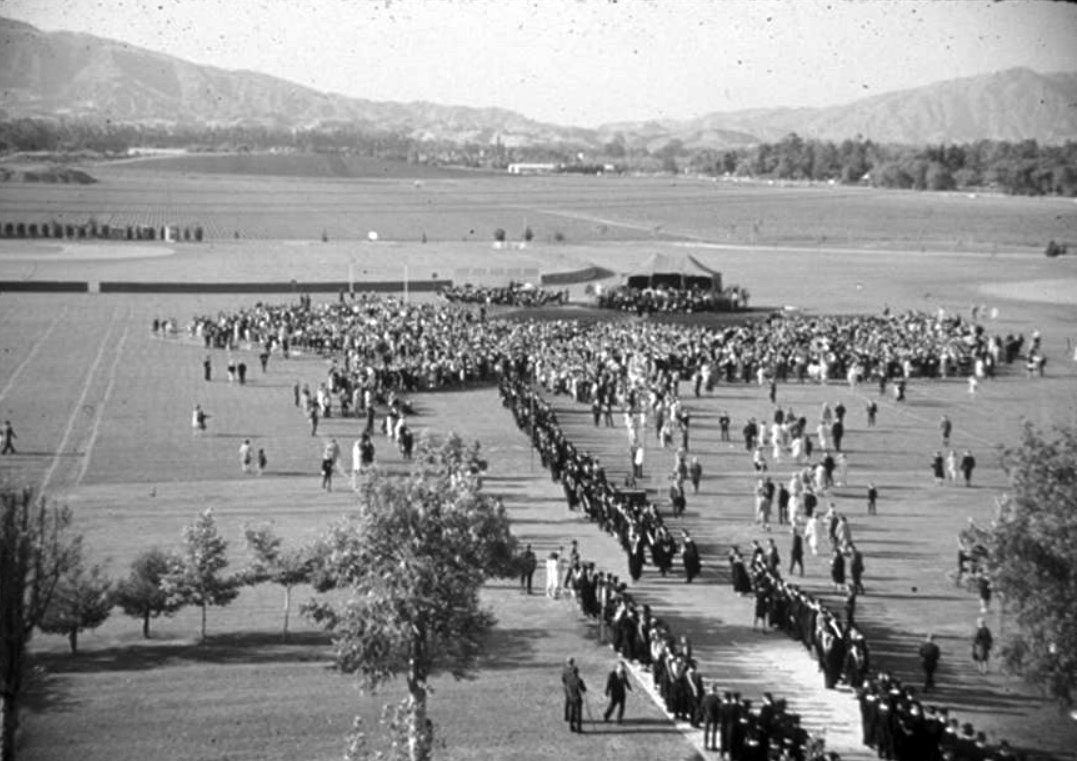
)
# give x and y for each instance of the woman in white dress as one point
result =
(811, 533)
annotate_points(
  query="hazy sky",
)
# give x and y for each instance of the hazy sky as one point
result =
(590, 61)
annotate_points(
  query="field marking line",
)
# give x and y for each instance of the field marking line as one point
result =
(37, 345)
(100, 407)
(78, 405)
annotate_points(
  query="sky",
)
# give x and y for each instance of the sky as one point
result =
(589, 62)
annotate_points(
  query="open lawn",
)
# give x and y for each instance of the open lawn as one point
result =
(102, 412)
(470, 206)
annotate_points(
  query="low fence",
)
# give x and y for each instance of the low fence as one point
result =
(43, 286)
(292, 286)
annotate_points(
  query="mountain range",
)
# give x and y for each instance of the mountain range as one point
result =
(73, 75)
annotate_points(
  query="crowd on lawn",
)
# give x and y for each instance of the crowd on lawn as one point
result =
(411, 347)
(383, 347)
(673, 300)
(514, 294)
(895, 722)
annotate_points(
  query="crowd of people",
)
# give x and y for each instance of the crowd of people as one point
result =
(903, 729)
(673, 300)
(514, 294)
(382, 348)
(731, 725)
(408, 346)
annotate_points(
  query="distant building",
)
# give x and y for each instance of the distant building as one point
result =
(532, 168)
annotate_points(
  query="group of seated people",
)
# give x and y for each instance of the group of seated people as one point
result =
(670, 300)
(514, 294)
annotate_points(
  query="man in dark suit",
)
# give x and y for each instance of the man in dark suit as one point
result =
(566, 672)
(527, 568)
(837, 433)
(929, 660)
(968, 462)
(711, 710)
(574, 690)
(617, 687)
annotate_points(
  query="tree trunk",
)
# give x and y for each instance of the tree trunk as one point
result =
(146, 625)
(287, 608)
(420, 733)
(203, 622)
(9, 715)
(73, 640)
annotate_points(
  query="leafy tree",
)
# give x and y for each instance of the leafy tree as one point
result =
(1033, 557)
(938, 177)
(82, 600)
(273, 563)
(197, 577)
(499, 235)
(36, 551)
(141, 594)
(413, 557)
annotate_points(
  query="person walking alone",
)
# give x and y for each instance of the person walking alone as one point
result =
(929, 661)
(329, 463)
(574, 693)
(198, 420)
(8, 436)
(527, 569)
(245, 456)
(617, 688)
(796, 553)
(982, 642)
(968, 463)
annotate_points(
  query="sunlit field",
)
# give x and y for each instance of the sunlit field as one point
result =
(102, 406)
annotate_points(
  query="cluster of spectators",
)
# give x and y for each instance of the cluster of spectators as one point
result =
(643, 301)
(380, 342)
(414, 347)
(514, 294)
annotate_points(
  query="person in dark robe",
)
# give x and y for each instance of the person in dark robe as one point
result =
(929, 661)
(690, 557)
(742, 583)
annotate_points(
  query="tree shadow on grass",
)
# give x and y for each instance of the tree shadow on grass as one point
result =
(643, 726)
(43, 692)
(249, 648)
(512, 649)
(898, 653)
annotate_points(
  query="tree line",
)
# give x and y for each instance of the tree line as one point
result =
(404, 569)
(1020, 168)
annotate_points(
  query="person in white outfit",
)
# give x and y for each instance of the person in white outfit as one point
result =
(552, 577)
(811, 534)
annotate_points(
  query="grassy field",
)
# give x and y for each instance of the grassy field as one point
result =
(242, 197)
(320, 165)
(102, 410)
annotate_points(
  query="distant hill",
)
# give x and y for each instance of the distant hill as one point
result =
(65, 74)
(1016, 104)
